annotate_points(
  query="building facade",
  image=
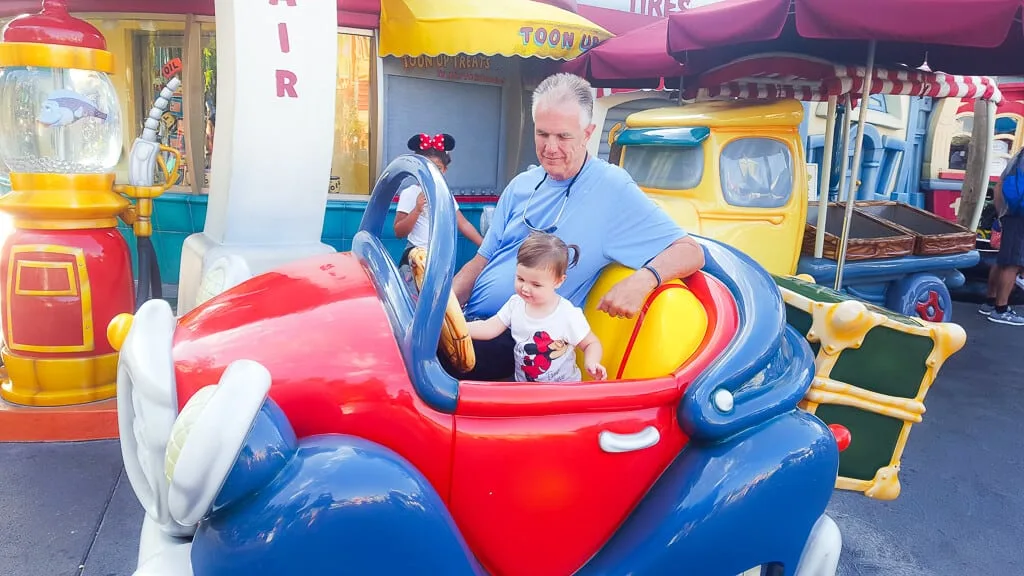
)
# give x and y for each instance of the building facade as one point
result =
(381, 101)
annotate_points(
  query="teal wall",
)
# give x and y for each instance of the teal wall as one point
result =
(176, 216)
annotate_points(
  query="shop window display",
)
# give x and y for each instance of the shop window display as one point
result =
(134, 41)
(209, 61)
(350, 170)
(153, 50)
(1006, 143)
(960, 142)
(159, 56)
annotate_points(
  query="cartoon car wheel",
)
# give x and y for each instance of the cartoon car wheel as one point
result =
(923, 296)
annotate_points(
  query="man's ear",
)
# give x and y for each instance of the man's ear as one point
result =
(588, 132)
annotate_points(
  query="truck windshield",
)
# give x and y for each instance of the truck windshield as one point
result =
(665, 167)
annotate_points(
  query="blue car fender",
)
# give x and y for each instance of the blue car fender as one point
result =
(328, 504)
(754, 379)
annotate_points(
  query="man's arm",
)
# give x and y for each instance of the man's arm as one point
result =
(462, 284)
(681, 259)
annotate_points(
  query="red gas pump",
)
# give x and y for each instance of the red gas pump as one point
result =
(66, 271)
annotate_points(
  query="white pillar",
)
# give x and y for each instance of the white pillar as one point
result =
(277, 64)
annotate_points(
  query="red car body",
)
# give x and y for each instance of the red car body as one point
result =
(518, 465)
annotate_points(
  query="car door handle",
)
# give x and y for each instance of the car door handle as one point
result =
(614, 443)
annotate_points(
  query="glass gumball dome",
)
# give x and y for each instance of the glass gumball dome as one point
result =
(54, 117)
(59, 121)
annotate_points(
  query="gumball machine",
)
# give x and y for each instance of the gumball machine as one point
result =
(65, 271)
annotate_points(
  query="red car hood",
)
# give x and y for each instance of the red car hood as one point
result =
(317, 326)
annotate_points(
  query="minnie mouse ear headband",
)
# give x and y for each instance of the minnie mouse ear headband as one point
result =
(424, 142)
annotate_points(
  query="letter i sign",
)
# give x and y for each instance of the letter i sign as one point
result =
(286, 79)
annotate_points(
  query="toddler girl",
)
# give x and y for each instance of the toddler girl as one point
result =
(546, 327)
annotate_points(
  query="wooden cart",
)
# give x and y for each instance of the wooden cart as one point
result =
(933, 235)
(899, 257)
(870, 237)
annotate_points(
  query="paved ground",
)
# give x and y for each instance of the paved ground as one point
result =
(67, 509)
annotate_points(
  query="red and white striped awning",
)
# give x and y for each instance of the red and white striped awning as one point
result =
(773, 76)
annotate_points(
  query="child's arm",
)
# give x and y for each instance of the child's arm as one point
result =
(467, 228)
(408, 211)
(404, 221)
(592, 353)
(486, 329)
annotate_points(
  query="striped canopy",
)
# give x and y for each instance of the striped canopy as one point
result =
(772, 76)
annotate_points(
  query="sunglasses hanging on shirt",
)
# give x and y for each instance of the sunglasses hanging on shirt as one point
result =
(554, 225)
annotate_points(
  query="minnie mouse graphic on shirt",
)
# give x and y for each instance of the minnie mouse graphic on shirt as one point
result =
(540, 353)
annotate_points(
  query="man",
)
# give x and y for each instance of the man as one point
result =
(583, 200)
(1010, 261)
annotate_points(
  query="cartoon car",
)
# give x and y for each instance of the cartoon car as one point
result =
(301, 423)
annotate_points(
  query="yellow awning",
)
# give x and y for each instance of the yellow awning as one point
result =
(484, 27)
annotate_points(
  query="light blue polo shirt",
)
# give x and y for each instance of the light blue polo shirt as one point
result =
(607, 216)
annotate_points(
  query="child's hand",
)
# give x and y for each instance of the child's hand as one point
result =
(596, 371)
(421, 201)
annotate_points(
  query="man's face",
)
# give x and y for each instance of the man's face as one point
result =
(561, 142)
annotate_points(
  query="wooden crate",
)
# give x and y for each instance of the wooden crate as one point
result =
(870, 237)
(933, 235)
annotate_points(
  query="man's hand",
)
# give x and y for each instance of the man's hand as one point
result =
(421, 201)
(681, 259)
(626, 297)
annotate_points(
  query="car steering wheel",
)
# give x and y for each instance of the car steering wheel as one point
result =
(455, 343)
(418, 325)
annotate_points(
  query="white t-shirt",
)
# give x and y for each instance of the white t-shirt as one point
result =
(545, 347)
(420, 234)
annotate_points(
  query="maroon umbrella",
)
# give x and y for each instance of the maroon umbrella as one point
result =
(637, 59)
(955, 36)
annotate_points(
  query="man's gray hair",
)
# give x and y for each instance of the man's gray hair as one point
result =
(564, 88)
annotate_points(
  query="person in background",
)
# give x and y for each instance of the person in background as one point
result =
(1008, 198)
(412, 219)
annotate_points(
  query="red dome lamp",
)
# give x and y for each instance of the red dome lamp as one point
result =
(842, 435)
(54, 26)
